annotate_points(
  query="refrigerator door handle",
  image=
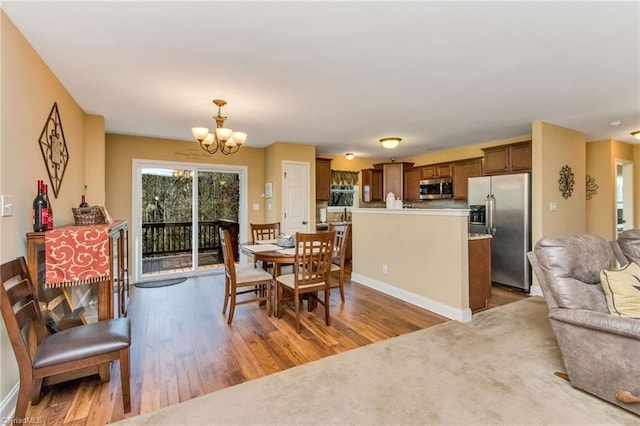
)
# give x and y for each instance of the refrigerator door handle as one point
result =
(491, 212)
(487, 212)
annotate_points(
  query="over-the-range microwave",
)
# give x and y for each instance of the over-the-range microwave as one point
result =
(431, 189)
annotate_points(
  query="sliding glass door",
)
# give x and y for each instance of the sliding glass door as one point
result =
(178, 210)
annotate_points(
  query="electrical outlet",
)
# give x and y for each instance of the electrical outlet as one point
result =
(385, 269)
(256, 206)
(553, 206)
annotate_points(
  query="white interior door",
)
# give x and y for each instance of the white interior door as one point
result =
(295, 197)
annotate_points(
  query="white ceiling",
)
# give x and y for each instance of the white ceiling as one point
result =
(342, 75)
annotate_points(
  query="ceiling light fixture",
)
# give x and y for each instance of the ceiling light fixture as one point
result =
(223, 139)
(349, 155)
(390, 143)
(636, 134)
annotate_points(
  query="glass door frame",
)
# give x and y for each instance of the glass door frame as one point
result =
(136, 211)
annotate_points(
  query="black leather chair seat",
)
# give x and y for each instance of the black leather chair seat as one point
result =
(81, 342)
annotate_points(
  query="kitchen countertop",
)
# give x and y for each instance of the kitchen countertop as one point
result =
(479, 236)
(418, 212)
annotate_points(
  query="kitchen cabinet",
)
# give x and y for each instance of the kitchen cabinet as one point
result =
(511, 158)
(479, 273)
(393, 178)
(323, 179)
(433, 171)
(371, 185)
(462, 171)
(412, 178)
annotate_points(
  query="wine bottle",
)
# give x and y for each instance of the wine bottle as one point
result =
(84, 202)
(40, 208)
(49, 207)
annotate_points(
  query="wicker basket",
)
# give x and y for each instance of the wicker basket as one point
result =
(88, 215)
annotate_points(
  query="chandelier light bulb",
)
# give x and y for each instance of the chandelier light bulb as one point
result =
(199, 133)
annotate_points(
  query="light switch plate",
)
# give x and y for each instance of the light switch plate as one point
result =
(6, 201)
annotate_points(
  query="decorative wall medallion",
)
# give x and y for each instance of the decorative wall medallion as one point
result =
(54, 149)
(566, 181)
(592, 187)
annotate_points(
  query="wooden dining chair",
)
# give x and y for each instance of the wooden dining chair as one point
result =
(43, 357)
(343, 233)
(240, 280)
(264, 231)
(311, 269)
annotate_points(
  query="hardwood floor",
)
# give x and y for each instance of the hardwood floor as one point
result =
(182, 347)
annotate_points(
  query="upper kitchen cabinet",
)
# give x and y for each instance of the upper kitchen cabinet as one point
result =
(371, 185)
(507, 158)
(393, 178)
(323, 179)
(433, 171)
(412, 178)
(462, 171)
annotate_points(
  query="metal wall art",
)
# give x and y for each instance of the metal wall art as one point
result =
(592, 187)
(54, 149)
(566, 181)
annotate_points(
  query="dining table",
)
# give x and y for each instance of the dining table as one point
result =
(267, 251)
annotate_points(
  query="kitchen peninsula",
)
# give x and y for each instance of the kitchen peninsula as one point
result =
(417, 255)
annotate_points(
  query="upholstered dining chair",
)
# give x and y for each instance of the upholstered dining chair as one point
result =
(311, 270)
(343, 232)
(42, 356)
(240, 280)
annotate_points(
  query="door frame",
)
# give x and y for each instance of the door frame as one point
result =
(627, 194)
(136, 208)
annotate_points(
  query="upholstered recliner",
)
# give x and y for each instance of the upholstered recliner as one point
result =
(627, 247)
(599, 350)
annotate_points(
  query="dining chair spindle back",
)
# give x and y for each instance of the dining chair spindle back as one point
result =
(311, 269)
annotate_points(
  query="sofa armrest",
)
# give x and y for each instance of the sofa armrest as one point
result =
(629, 327)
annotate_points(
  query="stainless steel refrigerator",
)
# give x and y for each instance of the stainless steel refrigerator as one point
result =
(501, 206)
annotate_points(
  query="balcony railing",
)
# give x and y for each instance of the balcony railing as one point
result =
(168, 238)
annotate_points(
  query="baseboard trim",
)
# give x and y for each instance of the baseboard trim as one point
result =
(462, 315)
(535, 290)
(8, 405)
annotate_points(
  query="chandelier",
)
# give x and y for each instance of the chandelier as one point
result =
(223, 139)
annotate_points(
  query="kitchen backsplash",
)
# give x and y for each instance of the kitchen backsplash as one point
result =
(339, 216)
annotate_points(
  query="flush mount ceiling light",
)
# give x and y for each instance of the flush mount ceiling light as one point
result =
(349, 155)
(390, 143)
(636, 134)
(223, 139)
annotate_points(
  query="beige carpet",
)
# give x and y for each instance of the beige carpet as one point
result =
(497, 369)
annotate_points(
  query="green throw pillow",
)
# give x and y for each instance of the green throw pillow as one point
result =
(622, 290)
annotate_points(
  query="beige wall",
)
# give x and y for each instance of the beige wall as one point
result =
(636, 188)
(426, 256)
(461, 153)
(601, 165)
(275, 154)
(121, 150)
(29, 90)
(553, 148)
